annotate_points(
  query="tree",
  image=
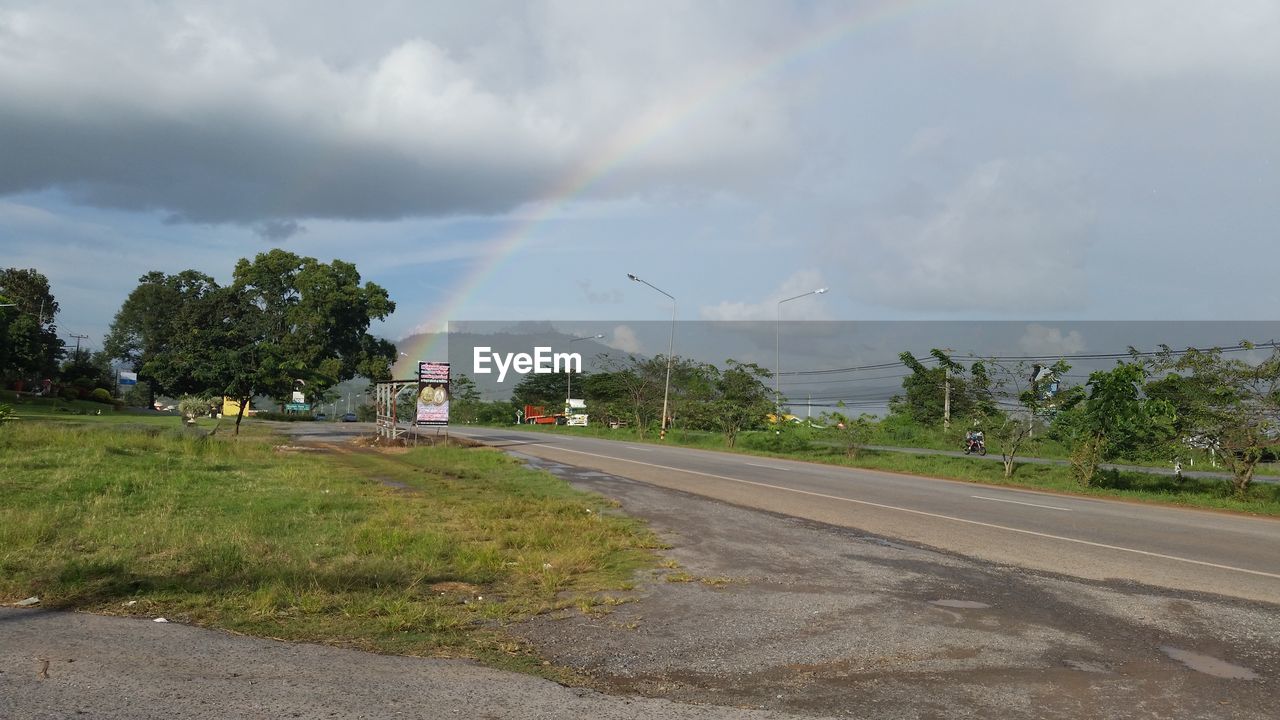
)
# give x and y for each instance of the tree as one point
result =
(464, 399)
(741, 398)
(926, 390)
(635, 386)
(1012, 430)
(29, 343)
(1116, 420)
(284, 318)
(543, 389)
(853, 433)
(146, 324)
(1226, 402)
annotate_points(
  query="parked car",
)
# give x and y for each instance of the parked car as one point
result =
(321, 416)
(349, 417)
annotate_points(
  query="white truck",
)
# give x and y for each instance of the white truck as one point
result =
(576, 412)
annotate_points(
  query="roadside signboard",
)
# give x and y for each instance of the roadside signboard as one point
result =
(128, 378)
(298, 407)
(433, 393)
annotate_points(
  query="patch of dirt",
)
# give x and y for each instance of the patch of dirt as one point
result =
(821, 620)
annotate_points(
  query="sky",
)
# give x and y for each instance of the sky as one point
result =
(503, 160)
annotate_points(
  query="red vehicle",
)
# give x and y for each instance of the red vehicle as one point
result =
(537, 415)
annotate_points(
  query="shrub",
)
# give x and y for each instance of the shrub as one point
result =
(69, 394)
(786, 439)
(99, 395)
(192, 407)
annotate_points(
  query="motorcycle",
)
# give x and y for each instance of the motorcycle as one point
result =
(975, 445)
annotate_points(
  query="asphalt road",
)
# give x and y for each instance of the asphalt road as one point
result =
(1089, 538)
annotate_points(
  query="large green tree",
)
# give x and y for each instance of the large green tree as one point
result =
(284, 319)
(1226, 403)
(926, 390)
(1117, 420)
(29, 343)
(148, 323)
(741, 399)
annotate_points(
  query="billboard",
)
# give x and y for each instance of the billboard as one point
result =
(128, 378)
(433, 393)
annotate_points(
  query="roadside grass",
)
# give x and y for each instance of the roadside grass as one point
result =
(1262, 498)
(427, 552)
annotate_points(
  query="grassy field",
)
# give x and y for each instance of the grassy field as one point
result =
(1262, 499)
(429, 551)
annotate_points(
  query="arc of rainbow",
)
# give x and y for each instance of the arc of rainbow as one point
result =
(642, 131)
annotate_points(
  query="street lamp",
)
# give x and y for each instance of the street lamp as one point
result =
(568, 391)
(777, 349)
(671, 344)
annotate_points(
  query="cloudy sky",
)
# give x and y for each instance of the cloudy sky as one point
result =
(496, 159)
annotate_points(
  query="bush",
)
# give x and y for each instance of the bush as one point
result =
(191, 407)
(284, 417)
(69, 394)
(100, 395)
(787, 439)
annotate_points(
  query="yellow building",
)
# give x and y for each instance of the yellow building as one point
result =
(231, 407)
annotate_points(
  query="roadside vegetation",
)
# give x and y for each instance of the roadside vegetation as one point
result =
(1173, 411)
(428, 551)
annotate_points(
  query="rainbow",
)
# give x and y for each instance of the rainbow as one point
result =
(634, 137)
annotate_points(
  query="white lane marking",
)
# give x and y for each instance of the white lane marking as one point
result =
(771, 467)
(1019, 502)
(979, 523)
(633, 447)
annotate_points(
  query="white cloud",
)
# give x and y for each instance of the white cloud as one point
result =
(624, 339)
(1012, 236)
(247, 114)
(798, 283)
(1042, 340)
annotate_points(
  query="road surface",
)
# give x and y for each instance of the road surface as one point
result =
(1090, 538)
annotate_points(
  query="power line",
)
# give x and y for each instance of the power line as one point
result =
(1077, 356)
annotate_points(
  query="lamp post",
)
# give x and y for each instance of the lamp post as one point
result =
(777, 349)
(568, 391)
(671, 344)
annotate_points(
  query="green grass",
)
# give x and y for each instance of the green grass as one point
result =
(1262, 499)
(427, 552)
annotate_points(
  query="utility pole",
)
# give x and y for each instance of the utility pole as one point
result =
(78, 339)
(946, 392)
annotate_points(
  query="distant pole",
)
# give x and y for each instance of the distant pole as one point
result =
(671, 346)
(777, 354)
(78, 339)
(946, 391)
(946, 397)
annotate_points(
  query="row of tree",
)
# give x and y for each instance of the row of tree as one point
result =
(1152, 405)
(284, 323)
(630, 390)
(1160, 405)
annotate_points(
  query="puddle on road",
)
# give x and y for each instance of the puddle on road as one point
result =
(1209, 665)
(965, 604)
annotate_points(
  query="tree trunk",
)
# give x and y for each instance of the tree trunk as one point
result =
(244, 403)
(1244, 476)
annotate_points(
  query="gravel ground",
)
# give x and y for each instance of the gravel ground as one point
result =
(772, 612)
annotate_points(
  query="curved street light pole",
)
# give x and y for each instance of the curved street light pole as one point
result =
(671, 344)
(777, 359)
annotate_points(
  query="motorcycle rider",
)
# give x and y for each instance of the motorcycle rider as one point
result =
(974, 439)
